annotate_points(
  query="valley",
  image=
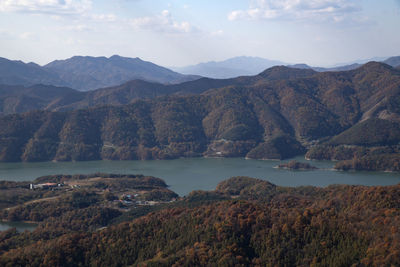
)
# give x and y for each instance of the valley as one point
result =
(199, 133)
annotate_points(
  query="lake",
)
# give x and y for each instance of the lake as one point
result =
(188, 174)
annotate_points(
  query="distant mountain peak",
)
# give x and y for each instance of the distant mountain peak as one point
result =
(229, 68)
(285, 72)
(375, 66)
(127, 58)
(86, 73)
(393, 61)
(300, 66)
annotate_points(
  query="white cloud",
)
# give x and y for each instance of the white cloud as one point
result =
(76, 28)
(217, 33)
(104, 17)
(321, 10)
(26, 35)
(54, 7)
(163, 23)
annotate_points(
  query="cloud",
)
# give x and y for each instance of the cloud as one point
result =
(26, 35)
(76, 28)
(314, 10)
(217, 33)
(163, 23)
(104, 17)
(54, 7)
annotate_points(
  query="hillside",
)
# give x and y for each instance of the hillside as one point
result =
(321, 69)
(18, 99)
(244, 222)
(88, 73)
(392, 61)
(39, 96)
(267, 119)
(27, 74)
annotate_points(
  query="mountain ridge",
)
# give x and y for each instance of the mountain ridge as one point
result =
(86, 73)
(235, 66)
(98, 72)
(243, 117)
(230, 68)
(132, 90)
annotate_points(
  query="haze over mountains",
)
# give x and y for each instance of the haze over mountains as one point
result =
(240, 66)
(273, 115)
(87, 73)
(392, 61)
(233, 67)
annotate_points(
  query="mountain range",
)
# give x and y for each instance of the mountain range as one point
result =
(392, 61)
(18, 99)
(20, 73)
(87, 73)
(276, 114)
(233, 67)
(240, 66)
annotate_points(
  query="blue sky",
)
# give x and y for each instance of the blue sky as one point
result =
(183, 32)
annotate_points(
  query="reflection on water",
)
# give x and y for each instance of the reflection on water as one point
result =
(20, 226)
(185, 175)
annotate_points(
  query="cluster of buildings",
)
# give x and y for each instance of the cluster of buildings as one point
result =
(45, 186)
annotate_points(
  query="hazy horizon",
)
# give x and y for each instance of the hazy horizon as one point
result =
(180, 33)
(338, 64)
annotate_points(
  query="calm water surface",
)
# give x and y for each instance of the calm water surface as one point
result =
(186, 175)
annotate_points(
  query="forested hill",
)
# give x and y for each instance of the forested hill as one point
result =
(256, 118)
(244, 222)
(20, 73)
(17, 99)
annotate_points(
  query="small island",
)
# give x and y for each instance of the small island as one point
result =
(295, 165)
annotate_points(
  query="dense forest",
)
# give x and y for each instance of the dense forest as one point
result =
(244, 222)
(277, 114)
(375, 158)
(110, 193)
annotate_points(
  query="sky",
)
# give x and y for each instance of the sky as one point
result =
(185, 32)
